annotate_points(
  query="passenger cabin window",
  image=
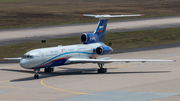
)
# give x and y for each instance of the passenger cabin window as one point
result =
(28, 57)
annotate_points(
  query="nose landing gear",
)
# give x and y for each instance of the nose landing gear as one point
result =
(102, 70)
(36, 75)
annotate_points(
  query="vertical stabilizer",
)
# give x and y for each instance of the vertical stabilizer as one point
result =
(101, 30)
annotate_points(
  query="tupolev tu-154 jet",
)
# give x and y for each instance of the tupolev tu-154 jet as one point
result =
(93, 46)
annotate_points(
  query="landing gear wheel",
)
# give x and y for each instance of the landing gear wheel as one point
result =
(36, 76)
(102, 70)
(52, 69)
(48, 69)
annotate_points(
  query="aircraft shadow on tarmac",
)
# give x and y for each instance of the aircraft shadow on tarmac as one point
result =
(70, 71)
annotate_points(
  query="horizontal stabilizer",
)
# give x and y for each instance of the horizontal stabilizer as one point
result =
(111, 16)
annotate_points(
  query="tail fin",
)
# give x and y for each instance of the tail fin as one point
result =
(101, 27)
(101, 30)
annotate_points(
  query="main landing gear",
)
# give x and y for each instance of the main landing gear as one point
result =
(50, 69)
(102, 70)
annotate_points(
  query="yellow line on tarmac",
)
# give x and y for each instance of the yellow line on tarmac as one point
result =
(122, 66)
(29, 89)
(81, 92)
(172, 57)
(62, 89)
(24, 88)
(7, 87)
(4, 81)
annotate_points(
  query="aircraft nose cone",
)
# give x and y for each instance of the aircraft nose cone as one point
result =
(24, 63)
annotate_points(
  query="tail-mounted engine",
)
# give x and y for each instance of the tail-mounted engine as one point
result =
(88, 38)
(103, 50)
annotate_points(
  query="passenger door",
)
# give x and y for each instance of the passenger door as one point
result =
(42, 56)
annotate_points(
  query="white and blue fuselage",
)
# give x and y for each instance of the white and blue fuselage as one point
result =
(56, 56)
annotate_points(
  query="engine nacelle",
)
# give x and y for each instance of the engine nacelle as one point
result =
(88, 38)
(103, 50)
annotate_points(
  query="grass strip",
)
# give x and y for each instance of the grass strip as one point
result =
(34, 13)
(120, 40)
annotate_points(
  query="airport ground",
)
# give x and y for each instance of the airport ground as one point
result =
(150, 81)
(136, 81)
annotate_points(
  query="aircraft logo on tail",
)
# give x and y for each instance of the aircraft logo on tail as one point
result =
(101, 30)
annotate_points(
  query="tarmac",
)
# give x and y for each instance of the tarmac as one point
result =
(136, 81)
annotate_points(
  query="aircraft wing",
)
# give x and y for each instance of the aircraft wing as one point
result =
(13, 58)
(108, 60)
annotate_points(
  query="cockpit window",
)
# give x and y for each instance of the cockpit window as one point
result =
(28, 57)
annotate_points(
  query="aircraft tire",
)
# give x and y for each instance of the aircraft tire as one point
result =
(99, 71)
(48, 69)
(36, 76)
(52, 69)
(103, 70)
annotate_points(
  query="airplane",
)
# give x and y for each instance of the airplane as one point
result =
(92, 47)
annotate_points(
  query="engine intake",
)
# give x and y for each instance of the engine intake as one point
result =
(83, 38)
(103, 50)
(88, 38)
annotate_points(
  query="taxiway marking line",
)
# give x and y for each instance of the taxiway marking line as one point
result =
(172, 57)
(68, 91)
(24, 88)
(29, 89)
(62, 89)
(4, 81)
(82, 93)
